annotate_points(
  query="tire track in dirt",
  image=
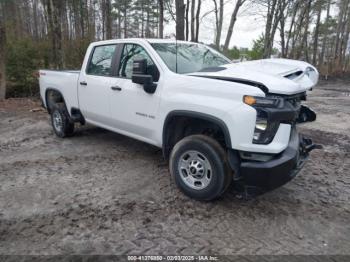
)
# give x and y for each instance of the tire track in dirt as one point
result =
(100, 192)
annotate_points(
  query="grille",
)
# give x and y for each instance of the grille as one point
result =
(294, 100)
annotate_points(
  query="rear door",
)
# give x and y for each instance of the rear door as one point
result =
(95, 83)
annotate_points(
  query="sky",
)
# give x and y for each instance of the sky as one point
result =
(248, 26)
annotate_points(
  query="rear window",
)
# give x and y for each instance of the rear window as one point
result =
(101, 61)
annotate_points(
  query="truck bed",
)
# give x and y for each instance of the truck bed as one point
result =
(66, 82)
(61, 71)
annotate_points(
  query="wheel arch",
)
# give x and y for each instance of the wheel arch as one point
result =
(168, 128)
(57, 97)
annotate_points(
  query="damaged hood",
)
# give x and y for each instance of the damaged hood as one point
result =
(278, 76)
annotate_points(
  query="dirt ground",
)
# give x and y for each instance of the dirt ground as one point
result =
(103, 193)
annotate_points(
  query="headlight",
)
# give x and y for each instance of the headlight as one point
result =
(265, 130)
(261, 124)
(260, 128)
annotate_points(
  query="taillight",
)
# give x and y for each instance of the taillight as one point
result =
(36, 74)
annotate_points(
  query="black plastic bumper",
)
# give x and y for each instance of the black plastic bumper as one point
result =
(266, 176)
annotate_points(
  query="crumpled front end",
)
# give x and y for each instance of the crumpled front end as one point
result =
(279, 76)
(303, 73)
(258, 173)
(260, 177)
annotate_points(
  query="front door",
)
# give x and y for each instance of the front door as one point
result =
(132, 109)
(95, 85)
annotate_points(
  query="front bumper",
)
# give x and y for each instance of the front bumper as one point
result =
(260, 177)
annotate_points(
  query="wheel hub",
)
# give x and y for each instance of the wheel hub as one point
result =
(195, 170)
(57, 121)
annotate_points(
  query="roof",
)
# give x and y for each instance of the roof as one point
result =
(150, 40)
(157, 40)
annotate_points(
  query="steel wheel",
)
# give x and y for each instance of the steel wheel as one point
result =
(57, 121)
(195, 170)
(199, 167)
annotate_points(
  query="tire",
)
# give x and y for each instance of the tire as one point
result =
(199, 166)
(60, 121)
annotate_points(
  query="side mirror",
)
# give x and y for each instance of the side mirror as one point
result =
(140, 76)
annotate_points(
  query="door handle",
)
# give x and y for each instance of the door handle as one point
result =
(83, 83)
(116, 88)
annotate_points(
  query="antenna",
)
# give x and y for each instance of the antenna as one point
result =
(176, 53)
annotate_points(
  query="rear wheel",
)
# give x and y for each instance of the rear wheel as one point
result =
(199, 166)
(60, 121)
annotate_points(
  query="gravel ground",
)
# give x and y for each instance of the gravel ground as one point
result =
(103, 193)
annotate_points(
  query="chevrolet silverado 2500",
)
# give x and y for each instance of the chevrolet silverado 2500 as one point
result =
(216, 121)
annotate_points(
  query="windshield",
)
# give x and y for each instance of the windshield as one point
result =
(190, 57)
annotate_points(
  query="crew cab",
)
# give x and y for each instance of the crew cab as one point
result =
(216, 121)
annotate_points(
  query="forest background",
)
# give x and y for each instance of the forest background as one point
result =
(54, 34)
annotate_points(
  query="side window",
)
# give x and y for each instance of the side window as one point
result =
(133, 52)
(101, 61)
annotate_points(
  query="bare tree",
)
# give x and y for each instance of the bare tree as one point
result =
(271, 8)
(341, 31)
(282, 33)
(197, 19)
(82, 17)
(238, 5)
(325, 34)
(193, 20)
(180, 19)
(125, 11)
(275, 12)
(304, 44)
(161, 18)
(35, 20)
(317, 30)
(108, 19)
(53, 9)
(186, 19)
(345, 41)
(219, 18)
(342, 10)
(294, 11)
(297, 33)
(2, 55)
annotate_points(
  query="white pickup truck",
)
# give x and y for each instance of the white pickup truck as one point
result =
(216, 121)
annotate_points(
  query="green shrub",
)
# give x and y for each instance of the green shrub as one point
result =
(234, 53)
(22, 61)
(25, 57)
(257, 51)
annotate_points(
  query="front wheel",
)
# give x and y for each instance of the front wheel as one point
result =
(199, 166)
(60, 121)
